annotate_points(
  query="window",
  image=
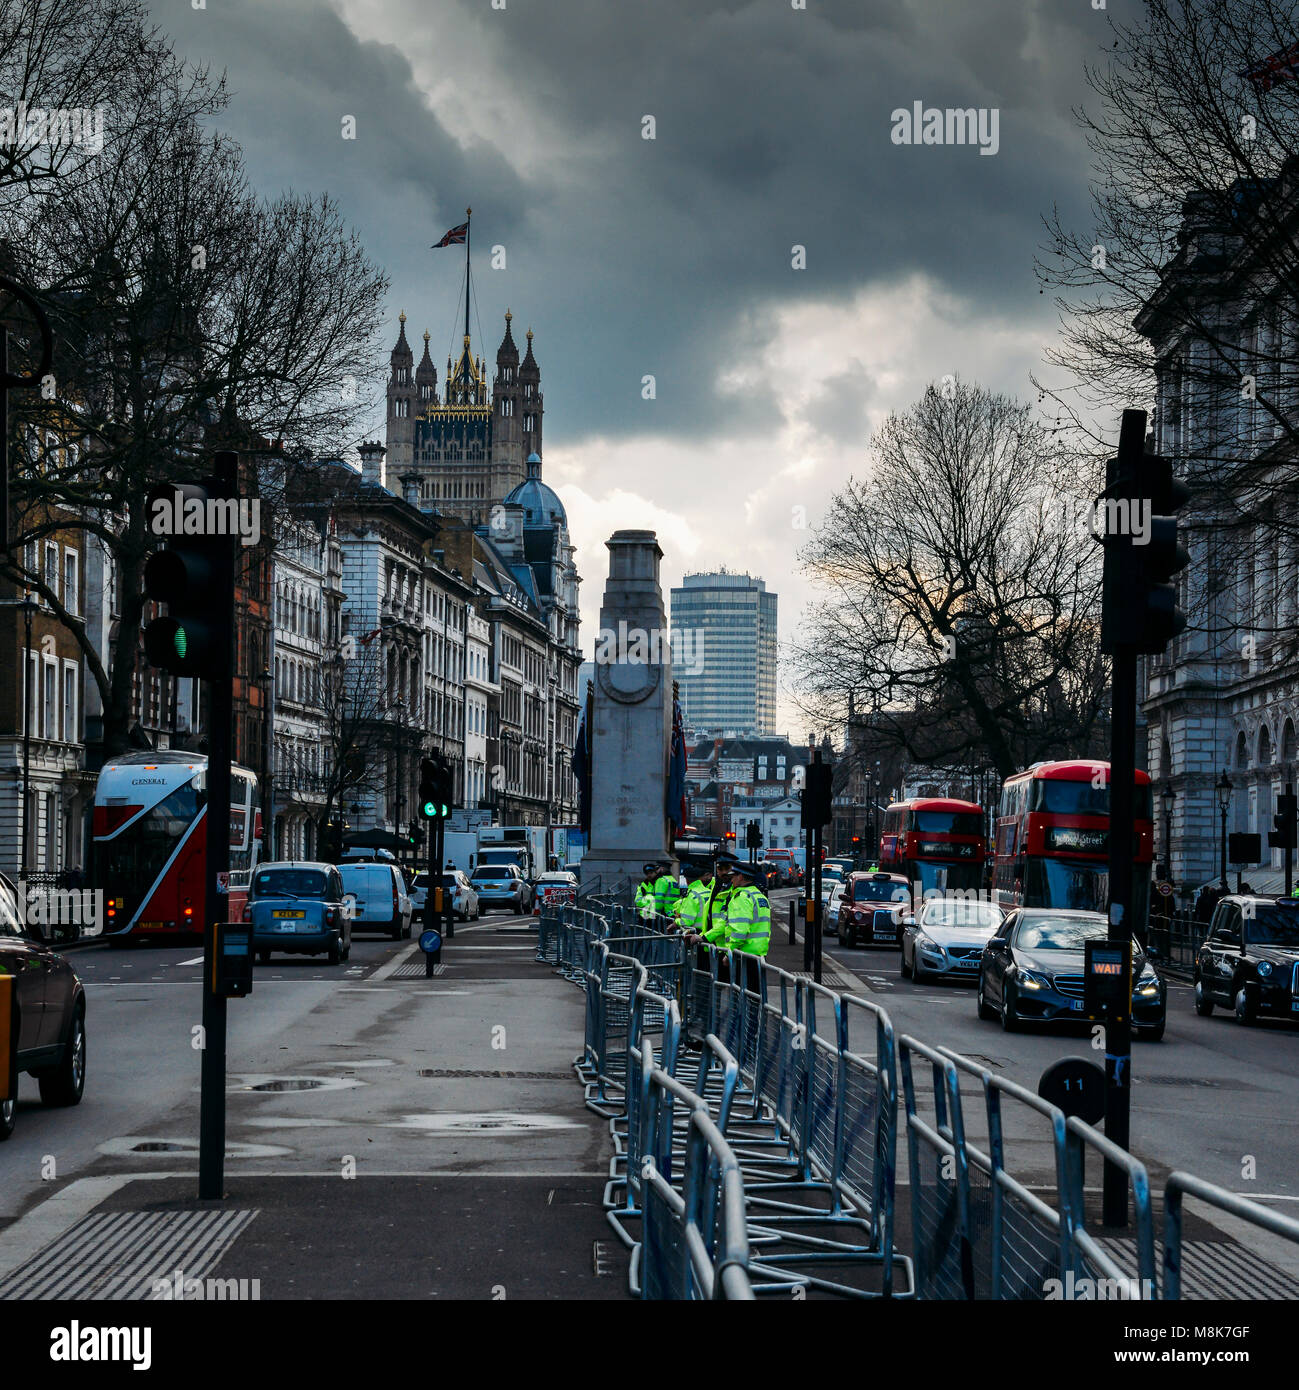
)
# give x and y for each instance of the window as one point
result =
(50, 723)
(71, 726)
(33, 695)
(52, 566)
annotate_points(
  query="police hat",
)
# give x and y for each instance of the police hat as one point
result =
(727, 860)
(692, 869)
(650, 869)
(753, 872)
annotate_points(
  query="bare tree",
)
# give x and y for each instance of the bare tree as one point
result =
(189, 315)
(1189, 275)
(961, 591)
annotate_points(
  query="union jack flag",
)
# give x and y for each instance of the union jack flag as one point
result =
(1279, 67)
(455, 237)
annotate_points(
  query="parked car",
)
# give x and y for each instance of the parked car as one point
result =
(787, 866)
(502, 885)
(557, 886)
(830, 917)
(380, 901)
(299, 907)
(1032, 971)
(946, 938)
(51, 1005)
(1250, 961)
(872, 908)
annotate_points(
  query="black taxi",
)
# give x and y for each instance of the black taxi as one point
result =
(1250, 961)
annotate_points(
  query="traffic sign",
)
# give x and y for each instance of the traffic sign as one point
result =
(1076, 1086)
(430, 941)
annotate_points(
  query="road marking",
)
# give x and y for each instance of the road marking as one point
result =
(198, 960)
(390, 966)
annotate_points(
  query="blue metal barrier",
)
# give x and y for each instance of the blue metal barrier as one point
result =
(1182, 1185)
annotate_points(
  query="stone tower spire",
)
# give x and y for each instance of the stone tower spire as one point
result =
(507, 414)
(532, 403)
(426, 379)
(402, 408)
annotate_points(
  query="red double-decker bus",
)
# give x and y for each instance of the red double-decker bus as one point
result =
(149, 835)
(937, 842)
(1053, 838)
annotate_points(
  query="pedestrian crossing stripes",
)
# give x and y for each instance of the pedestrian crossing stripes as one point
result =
(124, 1254)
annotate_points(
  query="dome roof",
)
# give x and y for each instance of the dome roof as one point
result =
(541, 504)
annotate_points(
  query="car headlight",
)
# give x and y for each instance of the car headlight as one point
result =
(1148, 984)
(1029, 980)
(1264, 969)
(925, 943)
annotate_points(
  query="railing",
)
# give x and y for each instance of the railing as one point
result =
(755, 1120)
(1175, 940)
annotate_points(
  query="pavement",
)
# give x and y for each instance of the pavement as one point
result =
(388, 1135)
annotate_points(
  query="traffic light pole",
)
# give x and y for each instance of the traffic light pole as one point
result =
(1118, 1010)
(212, 1081)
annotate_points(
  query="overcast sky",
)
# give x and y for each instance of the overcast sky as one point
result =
(672, 257)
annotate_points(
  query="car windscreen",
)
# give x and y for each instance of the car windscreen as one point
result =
(450, 881)
(1273, 926)
(961, 913)
(878, 890)
(835, 874)
(492, 873)
(297, 883)
(1059, 933)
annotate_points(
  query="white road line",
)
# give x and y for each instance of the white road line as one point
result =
(389, 967)
(198, 960)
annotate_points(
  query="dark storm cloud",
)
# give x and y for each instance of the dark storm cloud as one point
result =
(665, 257)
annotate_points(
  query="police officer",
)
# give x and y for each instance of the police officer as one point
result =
(713, 927)
(748, 911)
(644, 901)
(666, 890)
(691, 910)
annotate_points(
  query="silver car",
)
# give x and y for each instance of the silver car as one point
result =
(947, 938)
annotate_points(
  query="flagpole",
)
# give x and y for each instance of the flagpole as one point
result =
(468, 215)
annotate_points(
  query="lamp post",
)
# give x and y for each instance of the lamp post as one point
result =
(1168, 796)
(1224, 801)
(28, 605)
(268, 776)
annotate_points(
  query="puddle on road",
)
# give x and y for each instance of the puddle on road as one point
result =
(483, 1122)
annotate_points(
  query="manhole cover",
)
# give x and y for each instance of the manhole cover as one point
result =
(483, 1122)
(494, 1075)
(289, 1083)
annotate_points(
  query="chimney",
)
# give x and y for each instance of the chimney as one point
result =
(410, 488)
(372, 469)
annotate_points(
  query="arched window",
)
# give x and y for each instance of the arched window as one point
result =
(1288, 742)
(1264, 747)
(1242, 751)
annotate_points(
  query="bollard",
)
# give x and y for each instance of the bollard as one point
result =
(430, 942)
(793, 916)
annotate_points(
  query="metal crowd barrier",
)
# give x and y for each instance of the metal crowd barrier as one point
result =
(1181, 1185)
(754, 1117)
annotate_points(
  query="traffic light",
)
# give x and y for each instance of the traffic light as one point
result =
(1138, 529)
(1286, 821)
(194, 576)
(435, 788)
(753, 835)
(816, 796)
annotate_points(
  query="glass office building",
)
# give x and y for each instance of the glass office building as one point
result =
(724, 653)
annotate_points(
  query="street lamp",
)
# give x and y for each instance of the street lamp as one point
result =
(28, 605)
(1224, 801)
(268, 747)
(1168, 796)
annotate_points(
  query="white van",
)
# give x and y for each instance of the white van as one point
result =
(381, 902)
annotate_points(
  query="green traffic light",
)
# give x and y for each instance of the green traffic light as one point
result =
(180, 643)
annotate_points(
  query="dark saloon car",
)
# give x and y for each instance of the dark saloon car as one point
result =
(51, 1007)
(1250, 961)
(300, 908)
(1032, 972)
(872, 908)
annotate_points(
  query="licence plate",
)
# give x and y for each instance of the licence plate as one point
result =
(150, 926)
(1294, 1006)
(286, 912)
(886, 936)
(1077, 1005)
